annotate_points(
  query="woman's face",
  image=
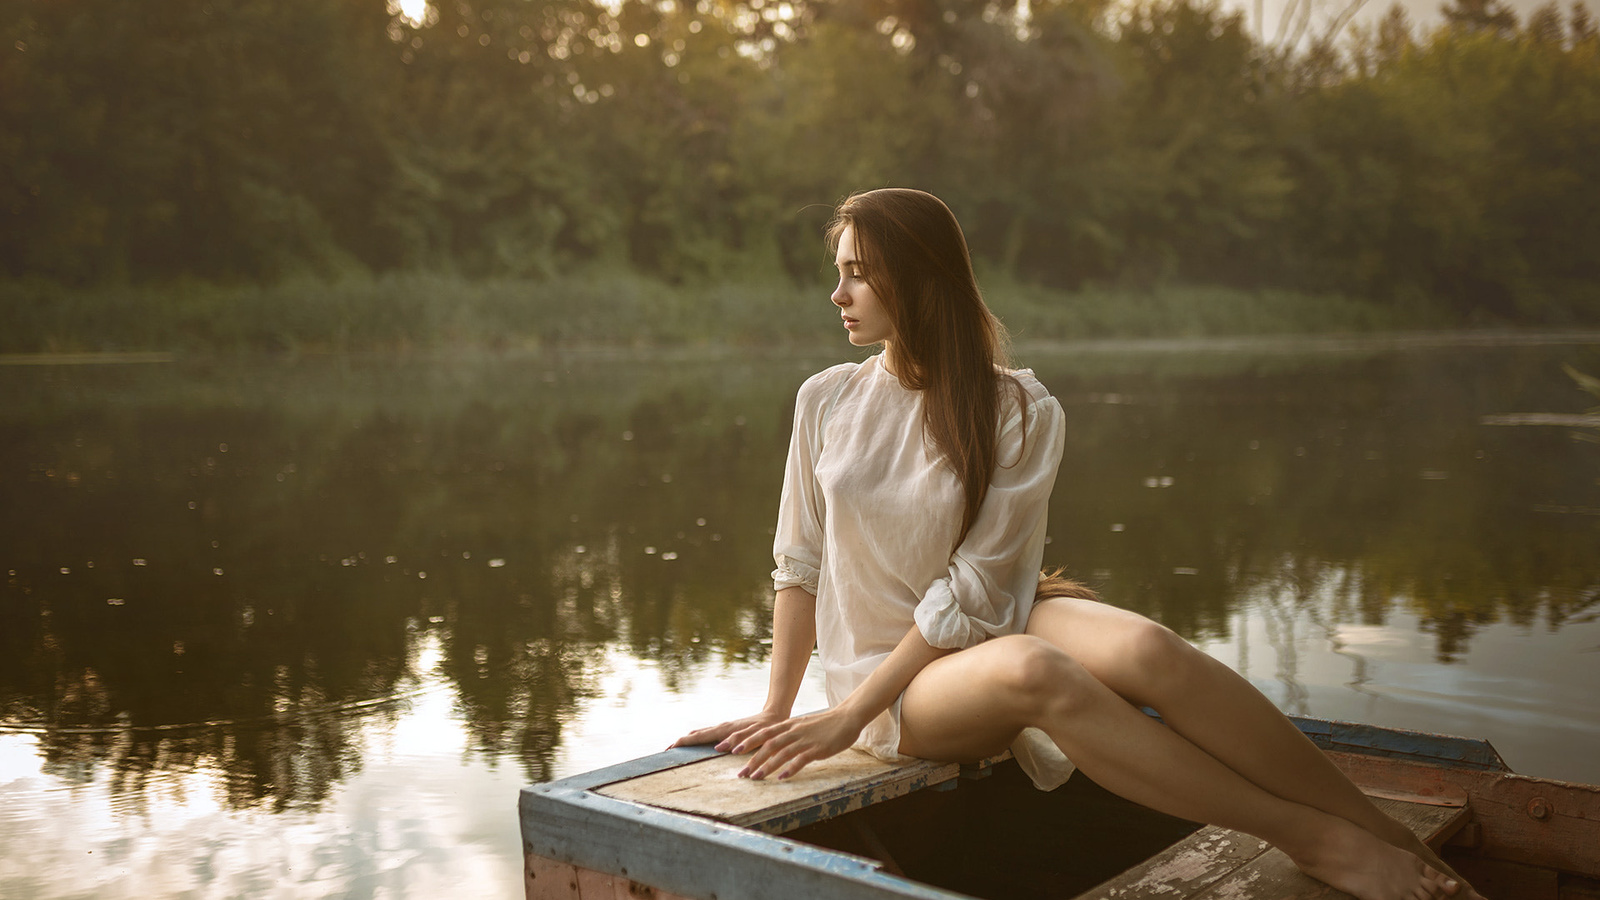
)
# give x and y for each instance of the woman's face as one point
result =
(863, 314)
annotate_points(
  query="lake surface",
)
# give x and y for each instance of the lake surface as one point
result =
(302, 628)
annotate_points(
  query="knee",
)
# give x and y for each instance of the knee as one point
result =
(1153, 662)
(1040, 677)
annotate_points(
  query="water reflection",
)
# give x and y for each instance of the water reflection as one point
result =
(252, 583)
(256, 559)
(1373, 476)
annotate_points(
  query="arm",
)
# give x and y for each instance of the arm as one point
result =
(787, 747)
(794, 634)
(797, 551)
(994, 573)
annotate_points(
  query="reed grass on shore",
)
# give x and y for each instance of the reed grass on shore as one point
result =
(610, 309)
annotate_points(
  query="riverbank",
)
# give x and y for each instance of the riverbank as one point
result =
(423, 311)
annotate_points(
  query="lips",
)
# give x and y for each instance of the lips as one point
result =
(849, 322)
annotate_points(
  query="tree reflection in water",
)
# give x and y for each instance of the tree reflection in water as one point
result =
(244, 567)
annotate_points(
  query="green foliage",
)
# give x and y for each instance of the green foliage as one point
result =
(410, 310)
(1127, 151)
(598, 307)
(1461, 167)
(1033, 313)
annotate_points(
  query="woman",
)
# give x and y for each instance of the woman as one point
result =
(910, 534)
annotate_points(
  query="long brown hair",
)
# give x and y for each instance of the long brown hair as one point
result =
(946, 344)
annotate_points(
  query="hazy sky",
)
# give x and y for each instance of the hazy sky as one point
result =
(1424, 14)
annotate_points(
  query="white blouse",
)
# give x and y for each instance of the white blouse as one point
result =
(868, 518)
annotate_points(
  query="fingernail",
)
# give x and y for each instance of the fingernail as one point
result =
(744, 772)
(739, 749)
(721, 746)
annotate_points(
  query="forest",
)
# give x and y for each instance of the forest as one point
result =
(234, 167)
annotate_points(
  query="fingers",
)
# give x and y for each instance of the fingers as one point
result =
(800, 761)
(758, 734)
(714, 734)
(768, 743)
(788, 748)
(745, 738)
(784, 747)
(773, 755)
(737, 735)
(736, 740)
(764, 742)
(699, 736)
(692, 739)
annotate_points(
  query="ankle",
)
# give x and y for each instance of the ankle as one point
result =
(1314, 838)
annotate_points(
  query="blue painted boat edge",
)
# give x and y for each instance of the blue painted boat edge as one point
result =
(644, 765)
(1448, 751)
(635, 768)
(696, 857)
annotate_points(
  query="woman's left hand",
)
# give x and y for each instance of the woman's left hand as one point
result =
(790, 745)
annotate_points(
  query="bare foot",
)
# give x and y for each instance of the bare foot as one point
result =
(1426, 854)
(1357, 862)
(1404, 838)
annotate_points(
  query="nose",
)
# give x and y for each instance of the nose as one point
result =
(840, 298)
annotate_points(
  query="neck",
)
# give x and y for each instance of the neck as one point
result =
(886, 358)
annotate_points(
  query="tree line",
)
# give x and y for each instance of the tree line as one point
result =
(1082, 143)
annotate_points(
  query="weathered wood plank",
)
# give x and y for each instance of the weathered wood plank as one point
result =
(545, 879)
(1576, 888)
(1185, 869)
(697, 858)
(1216, 862)
(1540, 823)
(1534, 821)
(1435, 823)
(826, 788)
(1512, 881)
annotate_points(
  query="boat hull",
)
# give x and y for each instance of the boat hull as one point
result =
(681, 826)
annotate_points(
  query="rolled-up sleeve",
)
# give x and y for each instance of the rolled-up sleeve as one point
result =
(995, 570)
(797, 548)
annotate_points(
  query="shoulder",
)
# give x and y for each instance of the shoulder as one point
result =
(822, 389)
(1032, 389)
(1027, 404)
(822, 385)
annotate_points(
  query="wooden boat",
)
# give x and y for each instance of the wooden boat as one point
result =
(680, 824)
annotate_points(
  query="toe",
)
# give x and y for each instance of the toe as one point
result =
(1443, 886)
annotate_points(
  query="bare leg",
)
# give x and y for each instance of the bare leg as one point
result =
(1214, 708)
(974, 702)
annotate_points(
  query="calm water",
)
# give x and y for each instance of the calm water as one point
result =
(302, 628)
